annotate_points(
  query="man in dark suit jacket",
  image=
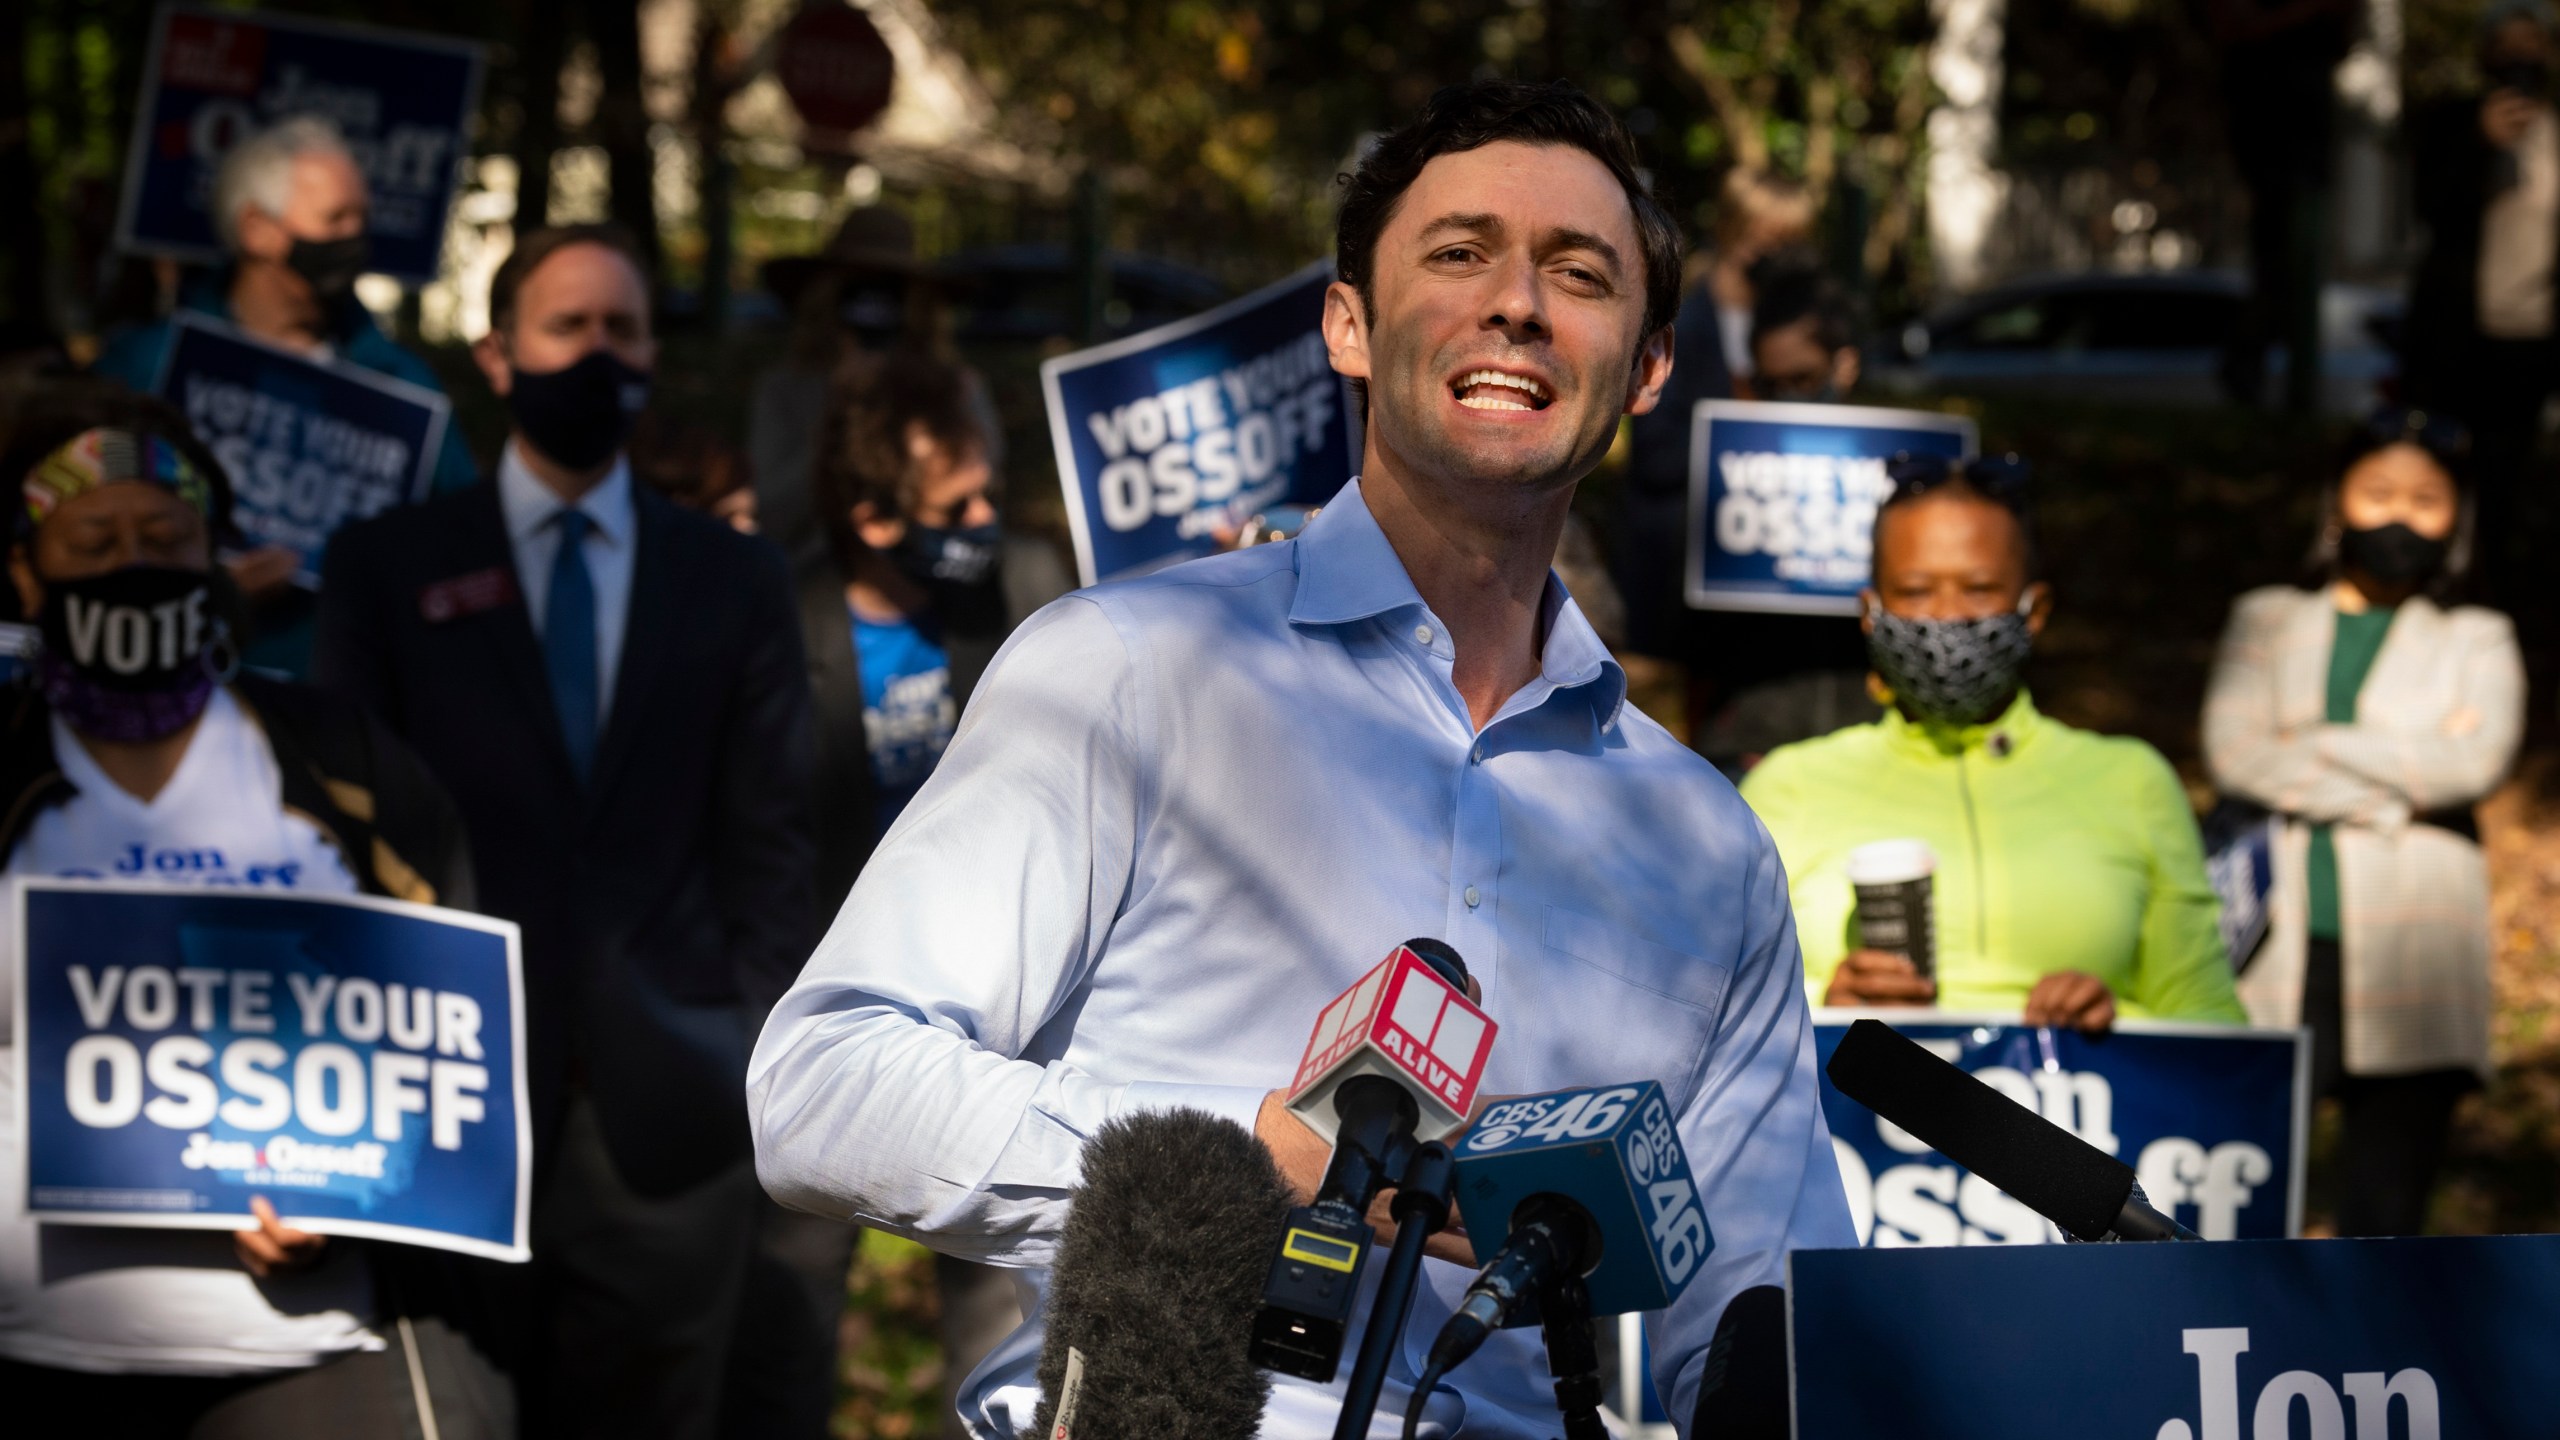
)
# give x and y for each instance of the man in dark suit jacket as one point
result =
(613, 690)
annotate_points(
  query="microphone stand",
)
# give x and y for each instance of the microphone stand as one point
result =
(1421, 1208)
(1573, 1357)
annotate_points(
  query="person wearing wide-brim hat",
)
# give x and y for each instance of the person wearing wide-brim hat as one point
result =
(862, 294)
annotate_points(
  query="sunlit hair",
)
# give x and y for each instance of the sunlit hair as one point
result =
(1469, 117)
(2442, 439)
(872, 400)
(258, 173)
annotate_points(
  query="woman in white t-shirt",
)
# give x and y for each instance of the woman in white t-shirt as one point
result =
(270, 1332)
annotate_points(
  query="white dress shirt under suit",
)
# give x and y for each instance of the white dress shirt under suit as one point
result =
(612, 547)
(1184, 812)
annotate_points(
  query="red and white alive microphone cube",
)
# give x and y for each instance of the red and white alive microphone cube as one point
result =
(1404, 1022)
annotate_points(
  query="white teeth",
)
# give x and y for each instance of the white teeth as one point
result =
(1491, 402)
(1497, 377)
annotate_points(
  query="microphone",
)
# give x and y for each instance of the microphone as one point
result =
(1397, 1055)
(1742, 1391)
(1157, 1278)
(2088, 1192)
(1582, 1183)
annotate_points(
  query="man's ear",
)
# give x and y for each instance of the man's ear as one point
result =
(490, 354)
(1652, 372)
(1346, 331)
(261, 236)
(2039, 598)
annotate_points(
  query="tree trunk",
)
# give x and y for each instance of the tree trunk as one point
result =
(22, 265)
(714, 178)
(622, 123)
(543, 48)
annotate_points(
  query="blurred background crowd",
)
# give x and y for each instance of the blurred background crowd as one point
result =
(2263, 290)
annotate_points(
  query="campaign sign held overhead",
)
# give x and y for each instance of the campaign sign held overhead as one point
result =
(2259, 1340)
(212, 78)
(1783, 497)
(1166, 435)
(310, 445)
(2214, 1119)
(358, 1062)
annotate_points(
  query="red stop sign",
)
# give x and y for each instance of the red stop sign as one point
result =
(834, 66)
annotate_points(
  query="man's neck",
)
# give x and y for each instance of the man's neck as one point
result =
(273, 304)
(570, 485)
(1481, 569)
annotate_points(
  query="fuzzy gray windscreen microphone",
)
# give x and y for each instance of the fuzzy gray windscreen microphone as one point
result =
(1158, 1277)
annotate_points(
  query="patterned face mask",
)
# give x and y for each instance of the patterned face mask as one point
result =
(1954, 672)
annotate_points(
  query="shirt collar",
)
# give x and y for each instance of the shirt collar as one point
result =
(528, 504)
(2002, 736)
(1348, 571)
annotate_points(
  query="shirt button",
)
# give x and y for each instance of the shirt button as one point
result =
(1472, 897)
(1421, 634)
(1476, 756)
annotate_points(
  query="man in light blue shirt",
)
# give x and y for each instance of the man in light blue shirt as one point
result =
(1184, 812)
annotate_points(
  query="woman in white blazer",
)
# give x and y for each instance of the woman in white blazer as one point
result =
(2370, 713)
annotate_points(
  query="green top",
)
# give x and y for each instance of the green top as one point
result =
(2358, 640)
(2058, 849)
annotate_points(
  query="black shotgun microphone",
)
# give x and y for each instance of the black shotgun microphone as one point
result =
(2058, 1175)
(1158, 1276)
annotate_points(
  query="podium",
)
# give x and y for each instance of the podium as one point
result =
(2236, 1340)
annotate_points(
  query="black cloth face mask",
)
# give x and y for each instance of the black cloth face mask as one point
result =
(933, 556)
(1952, 672)
(2392, 554)
(579, 415)
(127, 654)
(330, 267)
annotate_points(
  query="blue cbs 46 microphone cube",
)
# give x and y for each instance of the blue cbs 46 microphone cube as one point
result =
(1611, 1149)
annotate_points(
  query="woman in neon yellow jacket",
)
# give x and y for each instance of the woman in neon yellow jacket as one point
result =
(2070, 883)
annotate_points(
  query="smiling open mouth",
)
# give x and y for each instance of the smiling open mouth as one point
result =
(1499, 390)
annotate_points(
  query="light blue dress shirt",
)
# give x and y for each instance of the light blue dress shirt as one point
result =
(1184, 812)
(612, 547)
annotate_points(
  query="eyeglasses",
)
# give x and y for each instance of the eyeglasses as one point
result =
(2437, 434)
(2001, 478)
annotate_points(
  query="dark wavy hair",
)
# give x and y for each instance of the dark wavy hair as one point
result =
(1469, 117)
(871, 401)
(2442, 439)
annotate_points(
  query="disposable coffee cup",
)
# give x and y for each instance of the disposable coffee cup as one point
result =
(1892, 878)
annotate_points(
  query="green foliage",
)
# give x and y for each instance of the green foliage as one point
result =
(889, 1370)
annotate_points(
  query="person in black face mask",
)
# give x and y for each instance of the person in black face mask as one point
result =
(291, 206)
(904, 478)
(133, 735)
(2370, 713)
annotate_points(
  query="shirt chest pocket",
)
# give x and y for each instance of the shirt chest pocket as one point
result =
(1658, 970)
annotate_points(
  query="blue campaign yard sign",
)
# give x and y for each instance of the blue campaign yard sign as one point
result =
(1167, 434)
(358, 1062)
(311, 445)
(1783, 497)
(2260, 1340)
(211, 78)
(2213, 1118)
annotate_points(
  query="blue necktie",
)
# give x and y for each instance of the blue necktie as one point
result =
(569, 642)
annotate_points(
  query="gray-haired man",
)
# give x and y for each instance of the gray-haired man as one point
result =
(290, 204)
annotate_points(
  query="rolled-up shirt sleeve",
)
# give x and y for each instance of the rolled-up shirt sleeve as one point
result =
(889, 1086)
(1758, 1146)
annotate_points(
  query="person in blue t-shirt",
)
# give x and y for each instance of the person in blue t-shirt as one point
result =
(906, 476)
(291, 206)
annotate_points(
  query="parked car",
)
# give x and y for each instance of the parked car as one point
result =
(2143, 337)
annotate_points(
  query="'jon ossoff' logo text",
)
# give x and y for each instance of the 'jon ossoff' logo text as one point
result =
(423, 1060)
(2358, 1405)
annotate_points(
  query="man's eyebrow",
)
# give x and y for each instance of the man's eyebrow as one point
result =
(1473, 223)
(1569, 239)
